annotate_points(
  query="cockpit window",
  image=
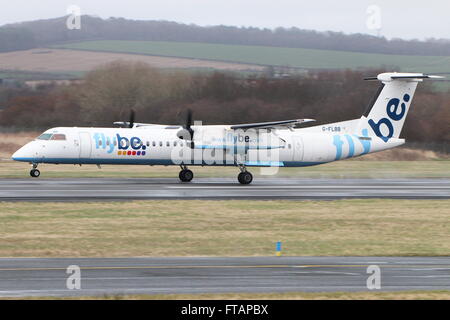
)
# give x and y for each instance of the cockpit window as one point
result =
(45, 136)
(58, 136)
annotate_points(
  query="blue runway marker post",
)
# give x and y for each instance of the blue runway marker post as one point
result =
(278, 249)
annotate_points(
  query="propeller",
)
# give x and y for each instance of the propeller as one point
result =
(189, 124)
(125, 124)
(132, 115)
(187, 133)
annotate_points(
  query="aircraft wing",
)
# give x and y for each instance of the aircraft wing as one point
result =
(286, 124)
(126, 124)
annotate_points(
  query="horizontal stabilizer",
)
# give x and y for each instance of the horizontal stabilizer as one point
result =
(390, 76)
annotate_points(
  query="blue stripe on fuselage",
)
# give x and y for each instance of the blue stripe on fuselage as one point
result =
(159, 162)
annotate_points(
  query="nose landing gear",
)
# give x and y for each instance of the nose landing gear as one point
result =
(35, 173)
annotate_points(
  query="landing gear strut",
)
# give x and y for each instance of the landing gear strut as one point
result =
(186, 175)
(35, 173)
(244, 177)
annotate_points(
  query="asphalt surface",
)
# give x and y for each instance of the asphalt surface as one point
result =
(48, 277)
(220, 188)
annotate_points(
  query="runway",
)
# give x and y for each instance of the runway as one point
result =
(48, 277)
(81, 189)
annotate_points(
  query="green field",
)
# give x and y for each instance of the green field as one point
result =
(293, 57)
(30, 75)
(225, 228)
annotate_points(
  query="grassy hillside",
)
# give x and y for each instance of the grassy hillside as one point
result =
(293, 57)
(44, 32)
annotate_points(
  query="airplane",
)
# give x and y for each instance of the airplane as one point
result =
(267, 144)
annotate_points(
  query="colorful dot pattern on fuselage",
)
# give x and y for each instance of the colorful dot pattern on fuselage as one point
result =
(131, 153)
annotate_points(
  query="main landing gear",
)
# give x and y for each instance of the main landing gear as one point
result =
(244, 177)
(35, 173)
(186, 175)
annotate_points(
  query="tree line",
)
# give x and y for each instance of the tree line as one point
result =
(108, 93)
(32, 34)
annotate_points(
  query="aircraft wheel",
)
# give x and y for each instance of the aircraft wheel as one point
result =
(186, 175)
(245, 177)
(35, 173)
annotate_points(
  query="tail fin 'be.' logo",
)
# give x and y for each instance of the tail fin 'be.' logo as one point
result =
(395, 112)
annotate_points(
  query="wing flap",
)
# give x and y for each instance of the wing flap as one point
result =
(272, 124)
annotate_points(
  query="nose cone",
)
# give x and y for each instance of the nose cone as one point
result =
(23, 154)
(18, 154)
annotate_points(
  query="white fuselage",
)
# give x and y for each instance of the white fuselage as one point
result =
(213, 145)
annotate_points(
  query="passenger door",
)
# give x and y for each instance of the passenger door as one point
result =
(85, 145)
(298, 148)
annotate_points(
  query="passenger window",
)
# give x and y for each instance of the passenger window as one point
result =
(160, 144)
(168, 144)
(148, 144)
(174, 143)
(154, 143)
(181, 144)
(45, 136)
